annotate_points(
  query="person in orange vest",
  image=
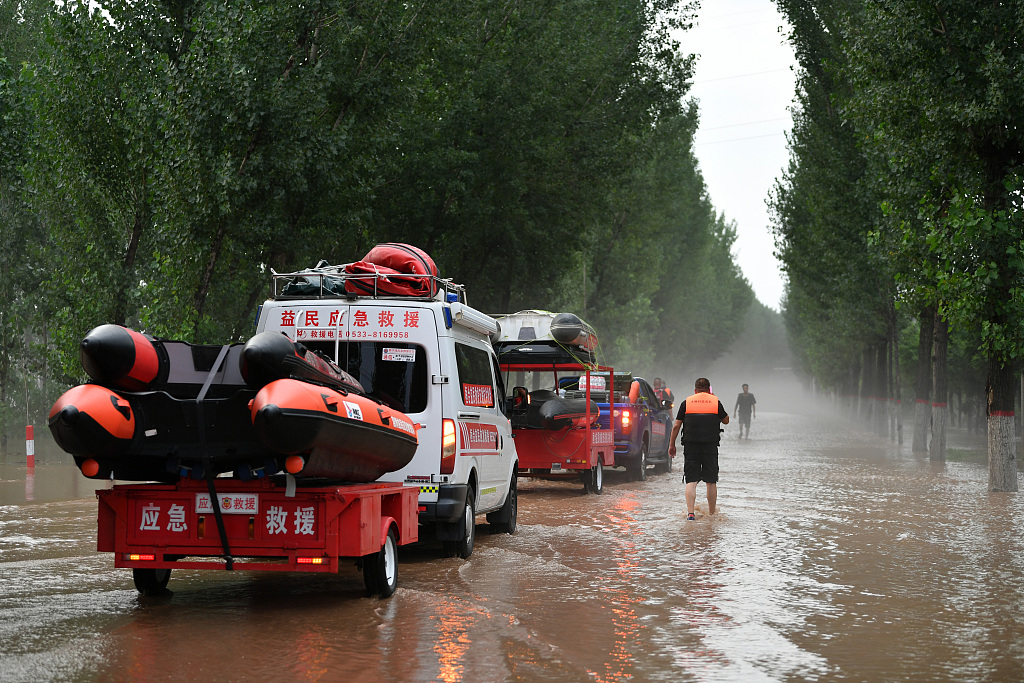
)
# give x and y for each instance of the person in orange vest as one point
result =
(698, 417)
(662, 392)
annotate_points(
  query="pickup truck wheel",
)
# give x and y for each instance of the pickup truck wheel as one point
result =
(504, 520)
(464, 547)
(640, 468)
(151, 581)
(380, 569)
(597, 478)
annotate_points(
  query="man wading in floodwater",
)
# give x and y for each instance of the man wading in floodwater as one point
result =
(746, 405)
(699, 417)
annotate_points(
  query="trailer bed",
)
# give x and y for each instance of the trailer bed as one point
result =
(267, 527)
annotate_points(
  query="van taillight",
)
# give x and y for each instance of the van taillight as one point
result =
(447, 446)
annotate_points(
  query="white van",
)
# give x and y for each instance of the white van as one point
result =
(432, 359)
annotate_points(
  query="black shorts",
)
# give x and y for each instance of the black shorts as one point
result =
(744, 419)
(700, 462)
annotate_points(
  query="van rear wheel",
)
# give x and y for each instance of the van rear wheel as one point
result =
(504, 520)
(464, 547)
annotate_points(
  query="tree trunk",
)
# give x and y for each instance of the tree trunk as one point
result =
(897, 388)
(853, 393)
(1002, 446)
(120, 313)
(881, 389)
(937, 451)
(207, 277)
(923, 384)
(866, 370)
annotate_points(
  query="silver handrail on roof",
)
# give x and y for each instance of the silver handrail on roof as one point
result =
(328, 282)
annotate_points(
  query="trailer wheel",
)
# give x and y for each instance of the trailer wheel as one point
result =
(464, 547)
(504, 520)
(151, 581)
(597, 478)
(380, 569)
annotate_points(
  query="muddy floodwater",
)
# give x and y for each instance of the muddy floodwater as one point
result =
(834, 556)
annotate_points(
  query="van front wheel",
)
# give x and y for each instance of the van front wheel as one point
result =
(464, 547)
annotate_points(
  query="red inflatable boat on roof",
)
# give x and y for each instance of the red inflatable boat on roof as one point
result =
(393, 268)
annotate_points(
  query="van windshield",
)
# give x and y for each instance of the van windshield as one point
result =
(393, 372)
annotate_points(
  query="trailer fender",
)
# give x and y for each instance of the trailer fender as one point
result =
(385, 524)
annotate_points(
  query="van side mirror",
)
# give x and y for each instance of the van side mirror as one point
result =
(519, 401)
(666, 404)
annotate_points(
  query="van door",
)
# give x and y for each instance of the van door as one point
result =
(483, 429)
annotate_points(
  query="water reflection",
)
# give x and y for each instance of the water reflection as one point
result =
(834, 556)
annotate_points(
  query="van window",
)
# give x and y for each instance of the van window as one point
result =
(497, 375)
(474, 367)
(395, 373)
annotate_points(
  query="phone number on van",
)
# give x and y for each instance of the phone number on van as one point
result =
(363, 334)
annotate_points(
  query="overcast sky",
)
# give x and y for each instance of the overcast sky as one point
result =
(744, 82)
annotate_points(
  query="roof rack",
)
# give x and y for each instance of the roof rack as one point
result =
(326, 281)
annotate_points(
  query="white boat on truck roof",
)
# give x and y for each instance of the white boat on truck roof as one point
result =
(430, 357)
(542, 336)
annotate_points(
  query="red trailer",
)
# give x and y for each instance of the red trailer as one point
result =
(581, 450)
(257, 525)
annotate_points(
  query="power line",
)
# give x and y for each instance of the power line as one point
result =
(738, 14)
(747, 75)
(752, 137)
(748, 123)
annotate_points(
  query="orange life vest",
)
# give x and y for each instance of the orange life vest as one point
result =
(701, 418)
(702, 403)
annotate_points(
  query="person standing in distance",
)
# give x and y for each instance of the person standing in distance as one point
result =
(662, 392)
(699, 416)
(745, 407)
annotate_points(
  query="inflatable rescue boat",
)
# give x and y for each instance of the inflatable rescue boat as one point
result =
(157, 436)
(548, 410)
(159, 410)
(270, 356)
(333, 434)
(393, 268)
(544, 337)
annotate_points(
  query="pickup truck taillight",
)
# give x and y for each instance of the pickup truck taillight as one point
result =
(627, 421)
(447, 446)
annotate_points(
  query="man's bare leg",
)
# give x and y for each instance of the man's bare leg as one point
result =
(691, 495)
(712, 497)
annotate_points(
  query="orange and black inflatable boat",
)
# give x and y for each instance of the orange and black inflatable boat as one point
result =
(270, 356)
(393, 268)
(334, 434)
(160, 410)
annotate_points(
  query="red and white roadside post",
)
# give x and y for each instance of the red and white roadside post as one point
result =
(30, 447)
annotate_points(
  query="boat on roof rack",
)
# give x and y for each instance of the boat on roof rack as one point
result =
(389, 270)
(333, 282)
(534, 336)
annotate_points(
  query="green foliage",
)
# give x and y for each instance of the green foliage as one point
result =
(918, 101)
(825, 212)
(159, 158)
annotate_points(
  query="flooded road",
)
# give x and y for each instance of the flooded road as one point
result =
(834, 556)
